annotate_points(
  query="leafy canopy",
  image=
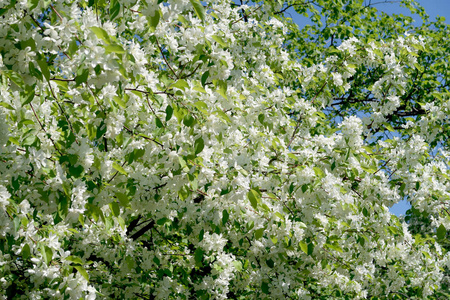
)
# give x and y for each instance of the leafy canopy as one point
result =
(188, 149)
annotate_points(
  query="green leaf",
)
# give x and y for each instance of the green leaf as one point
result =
(204, 78)
(265, 287)
(44, 67)
(426, 254)
(73, 47)
(183, 20)
(365, 212)
(335, 247)
(199, 89)
(199, 144)
(238, 265)
(101, 34)
(115, 48)
(199, 9)
(14, 140)
(441, 232)
(15, 77)
(115, 208)
(82, 271)
(119, 168)
(347, 155)
(279, 215)
(154, 20)
(162, 221)
(223, 116)
(222, 88)
(225, 217)
(26, 253)
(47, 254)
(123, 199)
(158, 123)
(120, 102)
(388, 127)
(16, 223)
(182, 161)
(169, 112)
(219, 40)
(333, 165)
(76, 171)
(319, 173)
(419, 67)
(181, 84)
(114, 9)
(254, 198)
(63, 205)
(305, 188)
(32, 4)
(272, 196)
(6, 105)
(259, 233)
(179, 112)
(198, 255)
(270, 263)
(201, 106)
(304, 247)
(74, 259)
(82, 76)
(28, 95)
(189, 120)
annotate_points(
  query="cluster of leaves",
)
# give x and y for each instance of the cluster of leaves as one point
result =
(187, 149)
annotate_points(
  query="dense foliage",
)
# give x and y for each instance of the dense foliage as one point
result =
(197, 150)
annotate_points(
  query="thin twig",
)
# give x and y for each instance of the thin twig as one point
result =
(63, 112)
(192, 73)
(61, 79)
(384, 165)
(246, 15)
(164, 57)
(53, 142)
(115, 174)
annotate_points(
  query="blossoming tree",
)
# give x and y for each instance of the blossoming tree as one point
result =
(196, 150)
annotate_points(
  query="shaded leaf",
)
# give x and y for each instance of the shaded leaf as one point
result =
(441, 232)
(26, 253)
(225, 217)
(115, 208)
(199, 144)
(114, 9)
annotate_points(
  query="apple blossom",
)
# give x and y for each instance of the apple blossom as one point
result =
(188, 149)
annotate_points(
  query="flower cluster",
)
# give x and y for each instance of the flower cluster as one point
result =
(174, 149)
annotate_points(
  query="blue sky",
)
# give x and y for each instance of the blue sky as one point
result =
(433, 8)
